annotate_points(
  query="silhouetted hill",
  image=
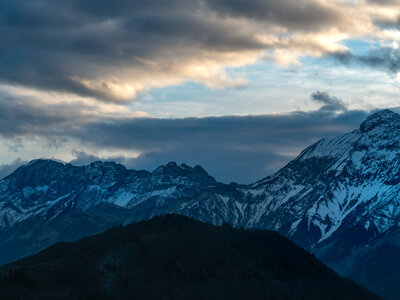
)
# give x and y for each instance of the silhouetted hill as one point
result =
(174, 257)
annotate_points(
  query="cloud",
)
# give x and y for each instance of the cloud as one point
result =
(329, 103)
(385, 58)
(115, 51)
(242, 149)
(231, 148)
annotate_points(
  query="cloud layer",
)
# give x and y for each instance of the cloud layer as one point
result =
(116, 50)
(232, 148)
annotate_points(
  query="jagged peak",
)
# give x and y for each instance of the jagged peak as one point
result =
(167, 167)
(384, 117)
(172, 168)
(172, 164)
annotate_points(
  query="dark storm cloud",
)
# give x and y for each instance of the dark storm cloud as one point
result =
(166, 134)
(20, 116)
(287, 13)
(243, 149)
(231, 148)
(56, 45)
(329, 103)
(384, 2)
(386, 59)
(116, 49)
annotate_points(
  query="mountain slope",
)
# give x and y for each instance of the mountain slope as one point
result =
(45, 201)
(354, 176)
(174, 257)
(36, 233)
(341, 199)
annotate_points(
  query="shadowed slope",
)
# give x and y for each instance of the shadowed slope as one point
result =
(174, 257)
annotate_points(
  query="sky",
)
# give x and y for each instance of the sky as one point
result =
(239, 87)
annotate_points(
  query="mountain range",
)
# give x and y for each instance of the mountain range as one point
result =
(338, 199)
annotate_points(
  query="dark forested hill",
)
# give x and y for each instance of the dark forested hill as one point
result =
(174, 257)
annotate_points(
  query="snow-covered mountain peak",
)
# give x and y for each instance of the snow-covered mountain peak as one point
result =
(350, 179)
(385, 119)
(378, 133)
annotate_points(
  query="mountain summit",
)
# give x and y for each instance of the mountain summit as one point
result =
(383, 118)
